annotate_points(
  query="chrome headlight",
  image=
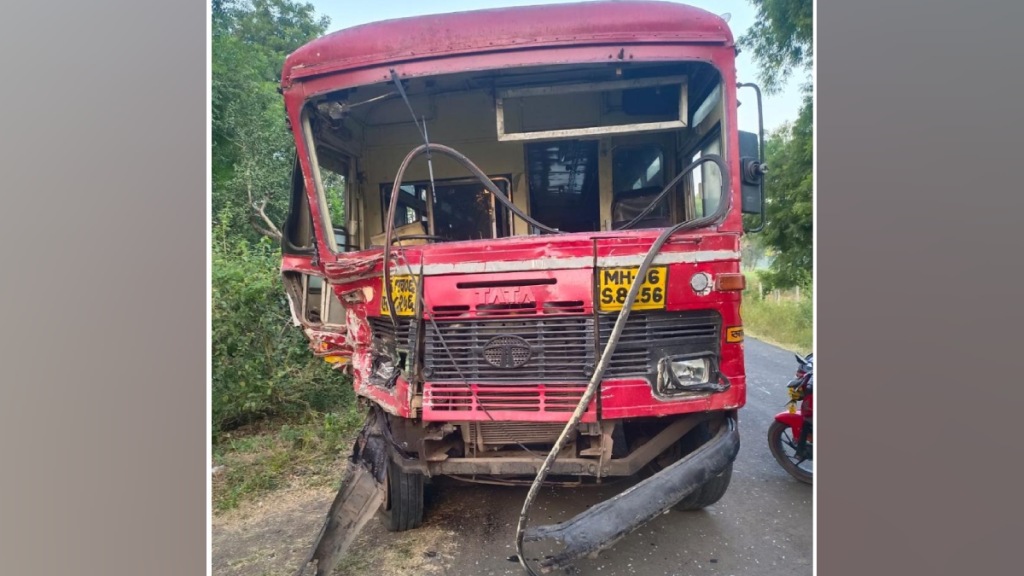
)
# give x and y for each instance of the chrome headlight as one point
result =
(688, 375)
(691, 371)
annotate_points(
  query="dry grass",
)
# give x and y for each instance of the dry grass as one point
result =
(788, 323)
(259, 459)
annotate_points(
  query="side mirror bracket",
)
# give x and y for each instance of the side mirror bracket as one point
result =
(752, 166)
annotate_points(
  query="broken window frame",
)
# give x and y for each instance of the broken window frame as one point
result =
(712, 99)
(502, 96)
(326, 222)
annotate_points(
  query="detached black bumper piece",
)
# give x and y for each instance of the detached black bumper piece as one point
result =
(604, 524)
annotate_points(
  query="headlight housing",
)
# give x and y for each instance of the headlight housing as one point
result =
(687, 375)
(691, 371)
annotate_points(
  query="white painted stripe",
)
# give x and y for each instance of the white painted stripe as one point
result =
(570, 263)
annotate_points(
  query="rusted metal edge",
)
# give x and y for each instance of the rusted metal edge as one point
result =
(525, 465)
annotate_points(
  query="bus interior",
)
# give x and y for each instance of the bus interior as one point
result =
(580, 148)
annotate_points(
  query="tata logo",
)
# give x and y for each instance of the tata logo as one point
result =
(505, 296)
(506, 352)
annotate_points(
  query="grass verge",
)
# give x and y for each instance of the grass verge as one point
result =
(788, 323)
(257, 459)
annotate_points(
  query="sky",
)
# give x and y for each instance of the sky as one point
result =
(778, 109)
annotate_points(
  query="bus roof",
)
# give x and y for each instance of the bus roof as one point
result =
(581, 23)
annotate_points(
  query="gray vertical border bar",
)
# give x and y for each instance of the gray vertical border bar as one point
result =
(919, 205)
(103, 151)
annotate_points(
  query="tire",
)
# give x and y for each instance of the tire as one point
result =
(711, 491)
(403, 509)
(776, 443)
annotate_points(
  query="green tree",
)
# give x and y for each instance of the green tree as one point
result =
(754, 251)
(252, 149)
(262, 365)
(781, 39)
(789, 230)
(782, 42)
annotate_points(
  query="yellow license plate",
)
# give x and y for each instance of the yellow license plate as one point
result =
(613, 285)
(403, 293)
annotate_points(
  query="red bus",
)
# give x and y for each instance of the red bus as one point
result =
(518, 231)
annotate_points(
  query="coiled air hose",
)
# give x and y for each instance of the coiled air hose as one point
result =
(620, 323)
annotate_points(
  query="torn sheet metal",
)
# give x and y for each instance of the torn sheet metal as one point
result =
(361, 495)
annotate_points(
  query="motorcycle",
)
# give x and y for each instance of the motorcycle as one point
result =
(790, 437)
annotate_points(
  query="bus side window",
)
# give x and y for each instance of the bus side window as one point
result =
(638, 175)
(297, 234)
(707, 179)
(314, 300)
(563, 184)
(335, 311)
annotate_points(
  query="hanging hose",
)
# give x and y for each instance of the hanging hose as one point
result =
(671, 185)
(389, 228)
(613, 340)
(620, 323)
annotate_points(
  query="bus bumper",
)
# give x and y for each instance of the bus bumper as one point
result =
(602, 525)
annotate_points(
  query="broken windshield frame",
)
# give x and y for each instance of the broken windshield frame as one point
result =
(691, 199)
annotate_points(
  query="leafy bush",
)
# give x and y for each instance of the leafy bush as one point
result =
(262, 365)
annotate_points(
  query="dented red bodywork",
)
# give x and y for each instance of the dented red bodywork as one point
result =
(491, 39)
(504, 29)
(569, 259)
(466, 263)
(495, 342)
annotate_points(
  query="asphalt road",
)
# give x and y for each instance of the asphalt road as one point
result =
(762, 526)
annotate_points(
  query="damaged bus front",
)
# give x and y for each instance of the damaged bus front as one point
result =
(518, 231)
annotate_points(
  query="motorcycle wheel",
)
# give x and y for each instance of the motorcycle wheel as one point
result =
(403, 509)
(782, 445)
